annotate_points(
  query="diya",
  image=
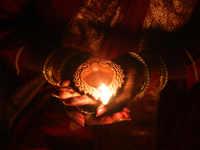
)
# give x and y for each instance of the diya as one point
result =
(98, 78)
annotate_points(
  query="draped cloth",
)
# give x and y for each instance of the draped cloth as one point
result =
(109, 28)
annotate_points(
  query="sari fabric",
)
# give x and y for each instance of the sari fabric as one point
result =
(106, 28)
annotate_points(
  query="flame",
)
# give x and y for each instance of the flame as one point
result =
(105, 95)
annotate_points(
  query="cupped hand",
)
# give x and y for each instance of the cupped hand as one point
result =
(132, 83)
(72, 99)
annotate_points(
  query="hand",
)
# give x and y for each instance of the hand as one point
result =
(70, 98)
(133, 80)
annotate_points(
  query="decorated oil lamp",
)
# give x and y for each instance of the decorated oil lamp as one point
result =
(98, 78)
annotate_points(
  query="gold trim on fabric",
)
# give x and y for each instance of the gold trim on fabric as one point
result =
(88, 26)
(164, 17)
(168, 15)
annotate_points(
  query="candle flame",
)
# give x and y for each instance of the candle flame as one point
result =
(105, 95)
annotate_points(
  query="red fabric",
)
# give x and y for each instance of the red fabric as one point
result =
(10, 13)
(126, 36)
(57, 13)
(178, 119)
(48, 127)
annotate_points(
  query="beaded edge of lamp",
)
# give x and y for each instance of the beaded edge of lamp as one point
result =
(82, 86)
(146, 73)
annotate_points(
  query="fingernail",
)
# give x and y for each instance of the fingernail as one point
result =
(65, 83)
(80, 97)
(126, 115)
(54, 95)
(126, 109)
(101, 111)
(65, 103)
(107, 120)
(120, 120)
(128, 119)
(79, 120)
(77, 100)
(59, 93)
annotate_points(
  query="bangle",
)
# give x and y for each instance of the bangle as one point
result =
(158, 69)
(71, 63)
(51, 67)
(20, 52)
(17, 58)
(146, 73)
(164, 73)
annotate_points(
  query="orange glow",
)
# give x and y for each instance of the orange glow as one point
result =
(105, 94)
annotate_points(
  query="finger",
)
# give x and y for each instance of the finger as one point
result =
(65, 83)
(92, 120)
(127, 116)
(126, 109)
(79, 120)
(101, 109)
(80, 101)
(126, 95)
(116, 117)
(82, 119)
(121, 116)
(73, 113)
(65, 93)
(106, 120)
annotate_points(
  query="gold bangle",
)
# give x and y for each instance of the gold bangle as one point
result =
(147, 78)
(20, 51)
(47, 68)
(54, 61)
(163, 71)
(81, 56)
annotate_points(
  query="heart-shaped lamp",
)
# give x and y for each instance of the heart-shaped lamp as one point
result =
(99, 78)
